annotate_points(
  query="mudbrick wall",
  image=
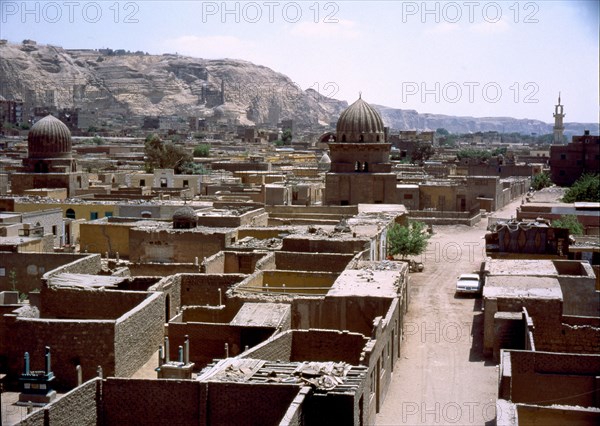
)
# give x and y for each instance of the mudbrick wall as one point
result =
(327, 345)
(294, 261)
(88, 343)
(279, 348)
(152, 402)
(544, 378)
(90, 264)
(202, 289)
(76, 408)
(244, 404)
(30, 267)
(138, 334)
(207, 341)
(77, 303)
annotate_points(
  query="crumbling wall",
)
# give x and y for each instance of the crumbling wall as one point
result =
(78, 303)
(330, 245)
(162, 269)
(327, 345)
(138, 333)
(278, 348)
(148, 402)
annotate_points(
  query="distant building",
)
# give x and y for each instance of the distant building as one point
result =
(360, 171)
(49, 162)
(569, 162)
(559, 128)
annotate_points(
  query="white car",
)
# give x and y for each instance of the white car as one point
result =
(468, 284)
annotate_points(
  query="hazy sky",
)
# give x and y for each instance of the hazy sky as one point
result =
(475, 58)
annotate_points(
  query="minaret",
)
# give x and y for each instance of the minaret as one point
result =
(558, 123)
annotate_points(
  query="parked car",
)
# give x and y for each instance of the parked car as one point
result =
(468, 284)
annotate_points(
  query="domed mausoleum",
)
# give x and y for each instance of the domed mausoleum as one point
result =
(185, 218)
(49, 162)
(360, 171)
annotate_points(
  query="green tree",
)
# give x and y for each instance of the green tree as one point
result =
(473, 153)
(202, 150)
(541, 180)
(423, 153)
(586, 188)
(161, 155)
(571, 223)
(286, 137)
(408, 240)
(441, 131)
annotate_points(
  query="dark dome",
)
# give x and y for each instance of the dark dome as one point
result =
(360, 123)
(49, 138)
(185, 218)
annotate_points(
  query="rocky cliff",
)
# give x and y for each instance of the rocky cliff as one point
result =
(118, 85)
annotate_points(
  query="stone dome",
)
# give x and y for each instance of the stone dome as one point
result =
(49, 138)
(325, 159)
(360, 122)
(185, 218)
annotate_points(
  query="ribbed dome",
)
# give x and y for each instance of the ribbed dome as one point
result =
(185, 218)
(325, 159)
(360, 123)
(49, 138)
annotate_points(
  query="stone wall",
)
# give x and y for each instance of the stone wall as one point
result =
(138, 333)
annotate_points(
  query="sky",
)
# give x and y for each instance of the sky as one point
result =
(465, 58)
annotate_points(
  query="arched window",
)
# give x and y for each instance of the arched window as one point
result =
(343, 138)
(361, 138)
(365, 167)
(70, 214)
(377, 138)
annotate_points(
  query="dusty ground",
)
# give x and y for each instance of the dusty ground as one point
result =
(441, 376)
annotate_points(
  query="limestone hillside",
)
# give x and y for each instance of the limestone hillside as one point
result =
(121, 86)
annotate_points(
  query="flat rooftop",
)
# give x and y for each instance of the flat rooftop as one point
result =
(261, 315)
(521, 267)
(366, 282)
(522, 287)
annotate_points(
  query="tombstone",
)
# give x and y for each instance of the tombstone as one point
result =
(36, 386)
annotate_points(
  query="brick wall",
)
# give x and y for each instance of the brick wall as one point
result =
(88, 343)
(171, 287)
(279, 348)
(202, 289)
(207, 341)
(544, 378)
(77, 408)
(244, 404)
(90, 264)
(162, 269)
(77, 303)
(152, 402)
(294, 261)
(312, 245)
(327, 345)
(138, 334)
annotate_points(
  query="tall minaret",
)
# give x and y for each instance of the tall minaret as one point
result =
(558, 123)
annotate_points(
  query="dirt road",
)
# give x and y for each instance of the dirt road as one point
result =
(442, 377)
